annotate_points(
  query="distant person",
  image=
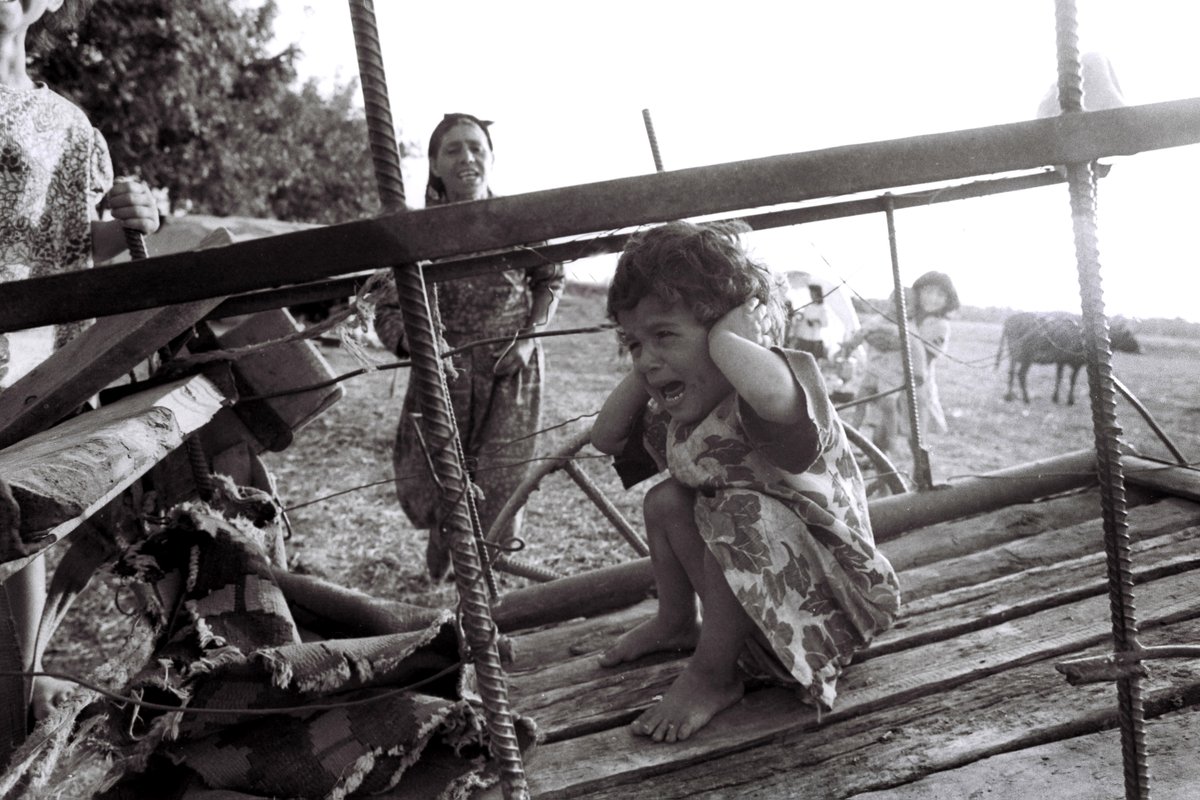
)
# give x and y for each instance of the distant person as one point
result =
(1101, 88)
(806, 331)
(497, 394)
(56, 171)
(934, 300)
(763, 490)
(929, 303)
(882, 420)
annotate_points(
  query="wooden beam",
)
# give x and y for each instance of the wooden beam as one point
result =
(462, 267)
(484, 225)
(614, 757)
(92, 360)
(106, 351)
(62, 476)
(1163, 477)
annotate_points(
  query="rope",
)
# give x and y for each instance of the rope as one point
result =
(429, 380)
(1082, 183)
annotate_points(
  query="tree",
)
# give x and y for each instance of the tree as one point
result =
(190, 98)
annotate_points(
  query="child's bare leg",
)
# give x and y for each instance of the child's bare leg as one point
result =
(677, 555)
(711, 682)
(27, 590)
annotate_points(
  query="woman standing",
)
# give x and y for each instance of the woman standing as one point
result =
(497, 393)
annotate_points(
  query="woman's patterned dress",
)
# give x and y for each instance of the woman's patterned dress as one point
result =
(496, 415)
(54, 171)
(783, 510)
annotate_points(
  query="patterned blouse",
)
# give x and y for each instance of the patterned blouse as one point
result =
(54, 171)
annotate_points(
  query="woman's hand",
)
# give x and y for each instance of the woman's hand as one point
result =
(132, 204)
(750, 321)
(514, 358)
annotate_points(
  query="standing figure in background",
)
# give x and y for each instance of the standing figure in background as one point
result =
(56, 170)
(882, 419)
(806, 328)
(497, 392)
(934, 300)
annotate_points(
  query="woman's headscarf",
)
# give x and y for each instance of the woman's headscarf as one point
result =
(435, 189)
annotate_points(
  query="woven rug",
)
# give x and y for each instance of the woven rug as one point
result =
(263, 714)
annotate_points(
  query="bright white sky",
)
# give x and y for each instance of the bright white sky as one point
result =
(566, 83)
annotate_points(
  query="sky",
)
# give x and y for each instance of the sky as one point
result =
(566, 83)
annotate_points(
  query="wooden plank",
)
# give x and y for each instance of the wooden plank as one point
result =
(106, 351)
(282, 367)
(1156, 529)
(615, 757)
(977, 606)
(458, 228)
(1082, 768)
(945, 540)
(62, 476)
(970, 609)
(1044, 548)
(461, 267)
(907, 747)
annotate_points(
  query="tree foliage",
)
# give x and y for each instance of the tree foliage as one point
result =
(190, 98)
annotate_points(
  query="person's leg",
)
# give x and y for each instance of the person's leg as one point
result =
(711, 682)
(677, 555)
(27, 593)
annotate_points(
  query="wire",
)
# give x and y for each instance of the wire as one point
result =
(146, 704)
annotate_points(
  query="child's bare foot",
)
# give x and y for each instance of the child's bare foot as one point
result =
(687, 707)
(652, 636)
(47, 693)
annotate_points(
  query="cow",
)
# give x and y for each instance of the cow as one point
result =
(1053, 338)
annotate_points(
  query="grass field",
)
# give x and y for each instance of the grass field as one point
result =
(360, 538)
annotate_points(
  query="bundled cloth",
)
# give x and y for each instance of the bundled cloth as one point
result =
(262, 713)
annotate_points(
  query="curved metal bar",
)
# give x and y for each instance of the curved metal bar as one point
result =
(1154, 426)
(887, 470)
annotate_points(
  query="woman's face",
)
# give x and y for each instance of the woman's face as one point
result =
(463, 162)
(932, 298)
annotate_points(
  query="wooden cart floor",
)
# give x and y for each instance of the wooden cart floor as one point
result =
(959, 699)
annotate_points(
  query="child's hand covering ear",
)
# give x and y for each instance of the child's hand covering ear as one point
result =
(750, 321)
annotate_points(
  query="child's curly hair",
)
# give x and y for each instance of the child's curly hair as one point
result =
(702, 265)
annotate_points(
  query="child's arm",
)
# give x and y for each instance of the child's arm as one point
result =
(760, 377)
(132, 206)
(610, 431)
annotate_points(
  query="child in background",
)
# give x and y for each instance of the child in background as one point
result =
(934, 299)
(764, 515)
(55, 171)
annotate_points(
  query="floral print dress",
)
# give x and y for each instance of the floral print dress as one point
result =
(54, 170)
(496, 415)
(784, 512)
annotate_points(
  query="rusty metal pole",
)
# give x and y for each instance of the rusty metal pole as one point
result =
(922, 472)
(1107, 432)
(429, 379)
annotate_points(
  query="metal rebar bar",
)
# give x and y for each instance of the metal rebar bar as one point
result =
(429, 380)
(1098, 349)
(650, 134)
(922, 472)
